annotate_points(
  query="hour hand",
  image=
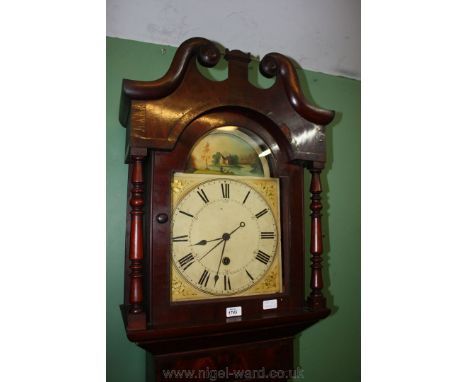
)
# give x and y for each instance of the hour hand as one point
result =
(204, 242)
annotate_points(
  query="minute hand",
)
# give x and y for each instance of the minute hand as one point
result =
(241, 224)
(225, 237)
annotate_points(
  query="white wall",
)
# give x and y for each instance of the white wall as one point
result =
(321, 35)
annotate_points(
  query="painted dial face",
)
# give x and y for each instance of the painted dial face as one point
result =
(224, 237)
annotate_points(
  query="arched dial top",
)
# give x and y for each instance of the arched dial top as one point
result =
(225, 237)
(229, 150)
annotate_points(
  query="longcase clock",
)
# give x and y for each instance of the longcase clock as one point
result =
(214, 271)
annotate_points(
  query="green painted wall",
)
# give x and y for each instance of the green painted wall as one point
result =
(328, 351)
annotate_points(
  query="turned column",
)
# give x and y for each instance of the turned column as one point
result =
(136, 237)
(316, 300)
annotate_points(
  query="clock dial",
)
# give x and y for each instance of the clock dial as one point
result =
(224, 236)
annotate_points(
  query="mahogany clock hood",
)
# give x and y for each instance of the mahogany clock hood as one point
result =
(162, 108)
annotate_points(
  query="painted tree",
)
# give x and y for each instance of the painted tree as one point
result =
(206, 154)
(234, 160)
(216, 158)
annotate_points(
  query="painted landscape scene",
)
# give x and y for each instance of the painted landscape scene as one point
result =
(223, 153)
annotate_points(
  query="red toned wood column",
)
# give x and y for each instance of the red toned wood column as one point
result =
(316, 300)
(136, 245)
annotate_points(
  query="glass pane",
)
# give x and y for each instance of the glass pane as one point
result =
(229, 150)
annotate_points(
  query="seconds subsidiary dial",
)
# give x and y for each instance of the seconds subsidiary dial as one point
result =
(224, 237)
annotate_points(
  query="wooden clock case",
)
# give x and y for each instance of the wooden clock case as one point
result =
(164, 120)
